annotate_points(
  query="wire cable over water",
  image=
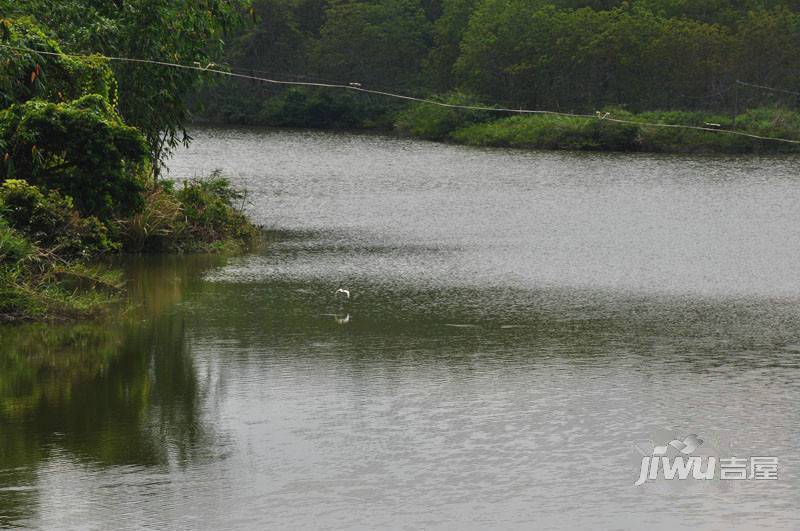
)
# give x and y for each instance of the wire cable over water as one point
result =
(356, 87)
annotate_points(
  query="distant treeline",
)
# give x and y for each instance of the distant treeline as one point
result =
(567, 55)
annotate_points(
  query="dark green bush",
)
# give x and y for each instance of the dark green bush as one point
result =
(13, 246)
(40, 216)
(80, 148)
(213, 210)
(50, 220)
(435, 122)
(301, 107)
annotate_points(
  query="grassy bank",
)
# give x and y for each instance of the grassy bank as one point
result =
(51, 257)
(332, 110)
(594, 134)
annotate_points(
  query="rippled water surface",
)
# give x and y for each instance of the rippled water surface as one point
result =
(521, 326)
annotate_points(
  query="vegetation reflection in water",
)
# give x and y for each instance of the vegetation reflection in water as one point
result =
(105, 393)
(134, 393)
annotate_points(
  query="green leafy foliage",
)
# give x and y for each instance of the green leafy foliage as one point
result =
(51, 221)
(434, 122)
(196, 216)
(80, 148)
(569, 55)
(374, 43)
(27, 74)
(213, 211)
(448, 31)
(73, 173)
(640, 54)
(378, 44)
(151, 98)
(59, 128)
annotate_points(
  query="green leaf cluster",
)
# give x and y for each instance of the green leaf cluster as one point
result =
(80, 148)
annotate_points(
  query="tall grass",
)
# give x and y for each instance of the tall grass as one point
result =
(195, 216)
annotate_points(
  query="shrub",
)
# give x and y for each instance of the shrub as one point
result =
(92, 237)
(59, 125)
(13, 246)
(211, 210)
(200, 215)
(50, 220)
(435, 122)
(300, 107)
(34, 283)
(42, 217)
(80, 148)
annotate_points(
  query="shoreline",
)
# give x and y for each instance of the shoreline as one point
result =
(44, 280)
(547, 133)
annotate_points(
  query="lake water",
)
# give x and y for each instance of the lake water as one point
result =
(524, 326)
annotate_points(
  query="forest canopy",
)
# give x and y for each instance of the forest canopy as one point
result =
(559, 55)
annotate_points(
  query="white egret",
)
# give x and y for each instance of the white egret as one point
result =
(343, 293)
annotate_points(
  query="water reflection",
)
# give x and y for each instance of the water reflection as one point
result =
(114, 393)
(215, 397)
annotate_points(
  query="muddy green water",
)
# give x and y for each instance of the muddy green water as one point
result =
(520, 324)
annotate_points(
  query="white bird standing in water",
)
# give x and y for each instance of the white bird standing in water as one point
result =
(343, 294)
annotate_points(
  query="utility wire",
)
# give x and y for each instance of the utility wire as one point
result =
(358, 88)
(247, 70)
(764, 87)
(300, 77)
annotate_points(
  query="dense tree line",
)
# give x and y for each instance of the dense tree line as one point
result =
(566, 54)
